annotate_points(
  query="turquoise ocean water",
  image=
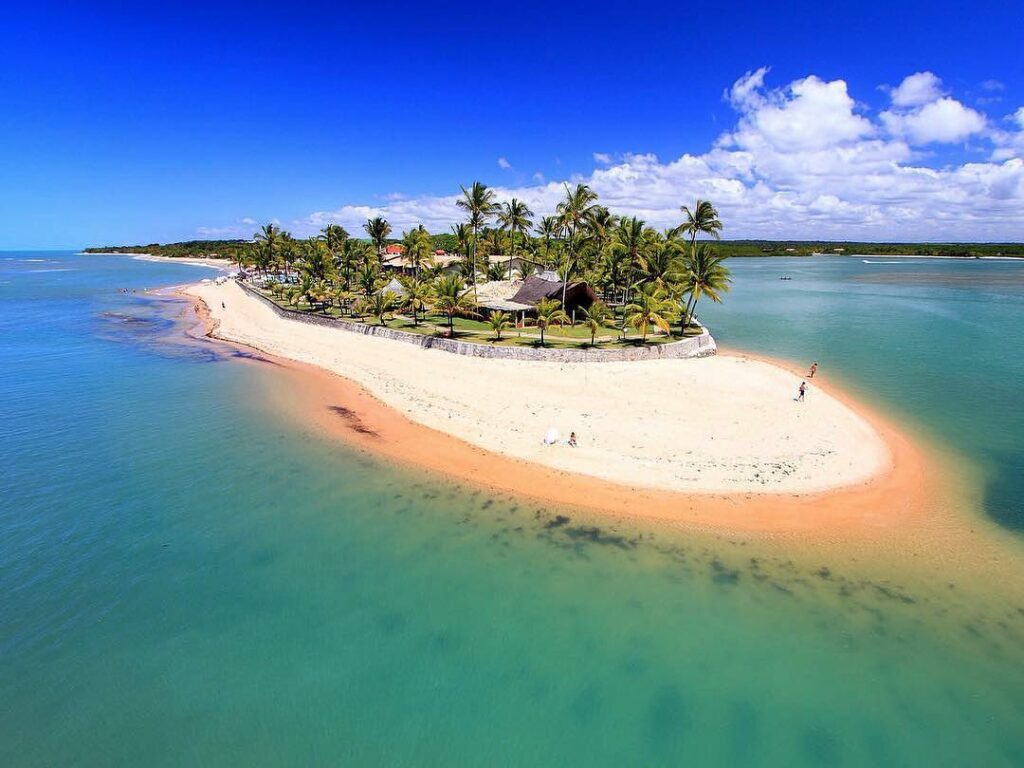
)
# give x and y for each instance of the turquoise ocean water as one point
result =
(188, 579)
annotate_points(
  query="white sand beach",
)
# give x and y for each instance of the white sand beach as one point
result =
(725, 424)
(212, 263)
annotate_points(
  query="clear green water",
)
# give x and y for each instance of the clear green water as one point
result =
(187, 579)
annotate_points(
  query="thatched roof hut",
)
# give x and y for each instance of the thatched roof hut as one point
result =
(537, 287)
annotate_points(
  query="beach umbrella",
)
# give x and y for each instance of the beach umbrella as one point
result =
(551, 436)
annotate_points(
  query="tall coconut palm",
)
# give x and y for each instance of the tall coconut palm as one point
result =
(708, 276)
(316, 260)
(289, 251)
(549, 312)
(703, 219)
(630, 239)
(462, 236)
(451, 297)
(479, 204)
(378, 230)
(548, 230)
(661, 260)
(418, 247)
(515, 216)
(353, 255)
(649, 307)
(595, 317)
(572, 213)
(369, 278)
(416, 293)
(334, 235)
(598, 227)
(269, 235)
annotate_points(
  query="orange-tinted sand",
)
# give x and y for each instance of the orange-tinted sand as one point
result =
(346, 410)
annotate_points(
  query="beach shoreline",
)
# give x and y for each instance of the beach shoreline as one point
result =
(346, 409)
(213, 263)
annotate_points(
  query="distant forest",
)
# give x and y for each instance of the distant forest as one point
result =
(734, 248)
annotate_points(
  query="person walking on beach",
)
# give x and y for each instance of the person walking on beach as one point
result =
(802, 392)
(814, 370)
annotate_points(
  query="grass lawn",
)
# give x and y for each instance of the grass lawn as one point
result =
(479, 332)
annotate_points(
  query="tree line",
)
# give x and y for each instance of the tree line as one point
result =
(652, 276)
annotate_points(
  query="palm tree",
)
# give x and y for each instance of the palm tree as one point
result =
(479, 205)
(378, 229)
(496, 271)
(353, 253)
(499, 322)
(547, 230)
(549, 311)
(662, 258)
(369, 278)
(630, 239)
(598, 227)
(344, 299)
(451, 297)
(418, 247)
(289, 251)
(648, 308)
(703, 218)
(380, 305)
(416, 294)
(595, 317)
(572, 213)
(270, 236)
(316, 261)
(708, 276)
(515, 216)
(334, 235)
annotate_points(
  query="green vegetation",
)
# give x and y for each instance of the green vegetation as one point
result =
(646, 278)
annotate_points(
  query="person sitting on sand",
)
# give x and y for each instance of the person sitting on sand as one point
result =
(803, 391)
(814, 370)
(572, 439)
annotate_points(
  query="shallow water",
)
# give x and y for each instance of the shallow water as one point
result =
(188, 578)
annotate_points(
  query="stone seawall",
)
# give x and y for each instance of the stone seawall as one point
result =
(694, 346)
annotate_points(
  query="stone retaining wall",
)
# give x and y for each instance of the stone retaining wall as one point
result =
(693, 346)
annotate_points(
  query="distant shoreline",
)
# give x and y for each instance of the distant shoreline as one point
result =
(198, 261)
(919, 256)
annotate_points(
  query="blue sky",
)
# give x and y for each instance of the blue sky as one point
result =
(127, 124)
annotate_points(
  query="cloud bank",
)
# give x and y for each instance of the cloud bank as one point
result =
(802, 161)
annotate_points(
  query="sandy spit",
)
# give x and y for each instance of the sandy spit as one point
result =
(722, 425)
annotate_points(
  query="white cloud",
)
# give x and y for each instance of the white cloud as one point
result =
(504, 164)
(746, 92)
(917, 89)
(992, 85)
(801, 161)
(248, 221)
(603, 158)
(1009, 143)
(945, 120)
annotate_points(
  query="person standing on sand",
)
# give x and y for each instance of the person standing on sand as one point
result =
(802, 391)
(814, 370)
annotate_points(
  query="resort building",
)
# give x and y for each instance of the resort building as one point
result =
(520, 297)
